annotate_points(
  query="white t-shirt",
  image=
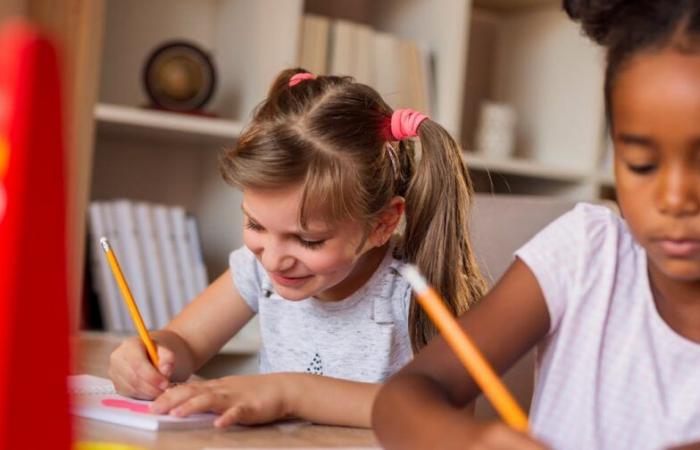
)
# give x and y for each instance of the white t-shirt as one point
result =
(363, 337)
(612, 374)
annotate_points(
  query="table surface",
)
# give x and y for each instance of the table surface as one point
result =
(93, 358)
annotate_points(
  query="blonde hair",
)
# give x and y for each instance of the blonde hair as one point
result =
(328, 134)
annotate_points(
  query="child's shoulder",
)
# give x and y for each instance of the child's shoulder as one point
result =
(586, 223)
(584, 240)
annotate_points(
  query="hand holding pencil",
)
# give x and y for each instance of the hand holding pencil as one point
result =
(129, 300)
(133, 373)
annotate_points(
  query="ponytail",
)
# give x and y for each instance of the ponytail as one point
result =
(436, 239)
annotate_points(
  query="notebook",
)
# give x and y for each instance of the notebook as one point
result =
(95, 398)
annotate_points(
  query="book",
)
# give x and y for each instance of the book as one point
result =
(111, 306)
(177, 216)
(313, 48)
(95, 398)
(133, 260)
(195, 248)
(115, 239)
(388, 69)
(343, 48)
(166, 243)
(148, 241)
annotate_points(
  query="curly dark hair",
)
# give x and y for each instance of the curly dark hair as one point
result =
(627, 27)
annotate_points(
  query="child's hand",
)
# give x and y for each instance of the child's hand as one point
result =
(496, 435)
(133, 373)
(239, 399)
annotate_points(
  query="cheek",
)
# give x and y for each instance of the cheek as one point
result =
(637, 207)
(325, 261)
(252, 240)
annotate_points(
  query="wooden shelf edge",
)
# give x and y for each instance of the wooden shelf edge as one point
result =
(525, 168)
(133, 117)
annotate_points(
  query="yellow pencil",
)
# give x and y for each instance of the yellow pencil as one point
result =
(129, 300)
(466, 350)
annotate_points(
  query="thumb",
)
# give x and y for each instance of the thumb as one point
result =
(166, 361)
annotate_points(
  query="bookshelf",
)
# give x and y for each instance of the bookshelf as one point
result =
(524, 52)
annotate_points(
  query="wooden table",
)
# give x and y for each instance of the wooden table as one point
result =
(93, 358)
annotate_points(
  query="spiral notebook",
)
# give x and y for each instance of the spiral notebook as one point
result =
(95, 398)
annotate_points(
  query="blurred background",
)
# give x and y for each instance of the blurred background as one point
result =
(155, 89)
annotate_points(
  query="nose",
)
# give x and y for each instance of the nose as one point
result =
(678, 191)
(274, 256)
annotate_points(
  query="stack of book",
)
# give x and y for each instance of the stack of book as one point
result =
(159, 250)
(399, 69)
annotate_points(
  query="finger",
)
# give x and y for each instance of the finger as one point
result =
(120, 384)
(148, 374)
(230, 417)
(166, 359)
(140, 387)
(175, 396)
(205, 401)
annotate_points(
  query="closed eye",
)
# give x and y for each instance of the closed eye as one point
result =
(641, 169)
(249, 224)
(312, 245)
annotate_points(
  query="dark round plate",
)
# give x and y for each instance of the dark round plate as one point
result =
(179, 76)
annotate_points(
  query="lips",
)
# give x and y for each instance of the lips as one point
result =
(680, 248)
(289, 281)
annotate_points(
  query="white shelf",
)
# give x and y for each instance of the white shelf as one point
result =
(126, 118)
(525, 168)
(238, 345)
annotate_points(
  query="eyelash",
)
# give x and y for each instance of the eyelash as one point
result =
(253, 226)
(311, 245)
(643, 169)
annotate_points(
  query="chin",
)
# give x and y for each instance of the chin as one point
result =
(291, 294)
(682, 270)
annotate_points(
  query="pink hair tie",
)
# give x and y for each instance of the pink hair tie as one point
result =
(405, 122)
(299, 77)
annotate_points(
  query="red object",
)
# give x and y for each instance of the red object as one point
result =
(127, 404)
(33, 279)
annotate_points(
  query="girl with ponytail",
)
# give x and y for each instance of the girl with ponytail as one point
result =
(328, 173)
(612, 304)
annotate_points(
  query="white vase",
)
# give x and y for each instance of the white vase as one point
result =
(495, 135)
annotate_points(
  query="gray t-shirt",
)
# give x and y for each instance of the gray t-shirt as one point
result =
(363, 337)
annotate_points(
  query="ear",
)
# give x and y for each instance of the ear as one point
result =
(386, 223)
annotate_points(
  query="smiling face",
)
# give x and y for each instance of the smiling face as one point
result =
(656, 123)
(319, 261)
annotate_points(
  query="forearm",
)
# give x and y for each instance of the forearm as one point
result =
(406, 407)
(330, 401)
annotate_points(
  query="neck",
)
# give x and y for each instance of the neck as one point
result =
(364, 268)
(678, 303)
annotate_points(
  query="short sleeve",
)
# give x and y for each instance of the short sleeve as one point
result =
(247, 275)
(554, 256)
